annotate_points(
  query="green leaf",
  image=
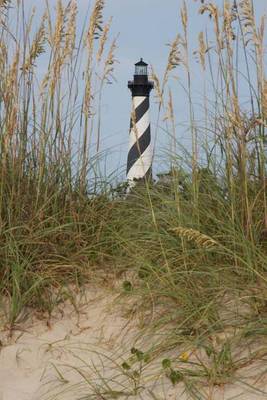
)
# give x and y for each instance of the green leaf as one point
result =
(136, 374)
(133, 350)
(209, 350)
(166, 363)
(175, 377)
(144, 272)
(127, 286)
(139, 355)
(125, 366)
(146, 357)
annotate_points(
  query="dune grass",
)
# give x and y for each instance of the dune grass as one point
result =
(194, 242)
(52, 204)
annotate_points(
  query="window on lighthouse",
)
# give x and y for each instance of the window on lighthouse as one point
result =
(141, 70)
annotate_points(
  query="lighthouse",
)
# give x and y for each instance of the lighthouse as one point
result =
(139, 162)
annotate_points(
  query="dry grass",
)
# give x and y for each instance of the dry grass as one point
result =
(203, 228)
(44, 185)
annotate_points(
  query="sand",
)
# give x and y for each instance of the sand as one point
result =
(27, 357)
(66, 357)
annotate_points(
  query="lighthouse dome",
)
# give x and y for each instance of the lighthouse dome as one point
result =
(141, 68)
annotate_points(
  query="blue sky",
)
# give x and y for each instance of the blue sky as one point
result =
(144, 28)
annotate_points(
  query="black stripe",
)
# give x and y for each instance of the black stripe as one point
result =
(140, 111)
(138, 148)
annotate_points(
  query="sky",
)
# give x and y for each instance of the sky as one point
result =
(144, 28)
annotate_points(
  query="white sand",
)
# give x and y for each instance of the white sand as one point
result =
(36, 345)
(52, 361)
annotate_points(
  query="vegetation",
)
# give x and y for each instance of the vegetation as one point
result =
(194, 242)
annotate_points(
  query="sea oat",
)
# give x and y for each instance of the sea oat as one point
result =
(37, 46)
(184, 16)
(157, 86)
(174, 58)
(228, 18)
(4, 4)
(264, 99)
(202, 50)
(70, 29)
(95, 26)
(199, 238)
(103, 40)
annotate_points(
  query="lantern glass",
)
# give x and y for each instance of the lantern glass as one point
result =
(140, 70)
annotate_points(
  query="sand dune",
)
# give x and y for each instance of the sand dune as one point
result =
(53, 361)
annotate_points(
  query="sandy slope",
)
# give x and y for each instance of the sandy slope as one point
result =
(26, 358)
(37, 362)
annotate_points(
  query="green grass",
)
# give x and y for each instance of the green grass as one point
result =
(194, 245)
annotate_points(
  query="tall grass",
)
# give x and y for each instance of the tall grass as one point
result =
(195, 240)
(50, 221)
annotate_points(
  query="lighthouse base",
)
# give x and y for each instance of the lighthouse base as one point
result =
(135, 182)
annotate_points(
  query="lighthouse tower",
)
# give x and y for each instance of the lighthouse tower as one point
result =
(139, 163)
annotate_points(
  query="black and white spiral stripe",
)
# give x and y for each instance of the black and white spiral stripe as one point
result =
(140, 151)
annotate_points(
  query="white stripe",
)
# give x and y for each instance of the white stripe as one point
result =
(137, 100)
(141, 127)
(142, 165)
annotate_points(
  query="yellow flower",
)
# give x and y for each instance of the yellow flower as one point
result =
(184, 356)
